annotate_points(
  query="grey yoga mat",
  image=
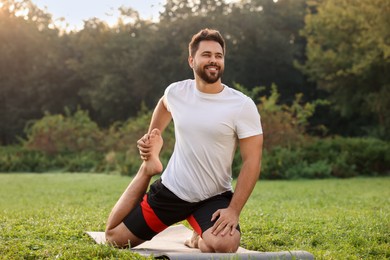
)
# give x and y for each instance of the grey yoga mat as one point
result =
(169, 244)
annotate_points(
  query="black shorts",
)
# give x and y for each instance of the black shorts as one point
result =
(160, 208)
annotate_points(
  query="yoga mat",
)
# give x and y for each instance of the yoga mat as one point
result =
(169, 244)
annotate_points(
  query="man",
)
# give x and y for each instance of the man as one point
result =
(210, 119)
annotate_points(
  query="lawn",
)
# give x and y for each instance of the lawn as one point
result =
(45, 216)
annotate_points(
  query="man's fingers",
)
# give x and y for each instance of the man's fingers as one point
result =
(233, 230)
(225, 229)
(230, 229)
(215, 215)
(217, 229)
(143, 146)
(224, 224)
(144, 141)
(144, 150)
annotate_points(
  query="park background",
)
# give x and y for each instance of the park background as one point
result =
(77, 100)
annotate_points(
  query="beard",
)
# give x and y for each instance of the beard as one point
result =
(210, 77)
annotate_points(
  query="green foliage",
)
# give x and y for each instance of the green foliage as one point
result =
(44, 216)
(331, 157)
(348, 55)
(368, 156)
(33, 76)
(120, 140)
(20, 159)
(283, 125)
(110, 70)
(17, 159)
(59, 133)
(110, 65)
(73, 142)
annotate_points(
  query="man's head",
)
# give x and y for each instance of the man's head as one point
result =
(207, 55)
(205, 35)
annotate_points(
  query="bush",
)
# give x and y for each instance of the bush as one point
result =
(283, 125)
(15, 158)
(315, 170)
(120, 140)
(74, 143)
(331, 157)
(369, 156)
(278, 161)
(54, 134)
(20, 159)
(319, 158)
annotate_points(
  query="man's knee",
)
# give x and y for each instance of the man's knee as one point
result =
(121, 236)
(115, 239)
(223, 244)
(226, 245)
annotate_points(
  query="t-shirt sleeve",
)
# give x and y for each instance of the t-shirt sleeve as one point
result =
(248, 121)
(167, 96)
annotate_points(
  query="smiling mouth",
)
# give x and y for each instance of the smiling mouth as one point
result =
(212, 68)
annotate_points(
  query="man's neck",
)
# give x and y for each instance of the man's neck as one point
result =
(208, 88)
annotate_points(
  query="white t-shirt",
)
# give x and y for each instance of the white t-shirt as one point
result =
(207, 128)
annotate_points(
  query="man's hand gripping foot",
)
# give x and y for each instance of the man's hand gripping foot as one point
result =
(150, 146)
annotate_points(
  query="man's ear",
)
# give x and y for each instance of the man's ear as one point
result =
(191, 62)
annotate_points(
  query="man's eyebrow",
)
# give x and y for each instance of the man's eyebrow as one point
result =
(209, 52)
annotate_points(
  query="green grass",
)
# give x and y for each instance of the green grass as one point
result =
(44, 216)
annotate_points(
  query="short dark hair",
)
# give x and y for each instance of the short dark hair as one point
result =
(205, 35)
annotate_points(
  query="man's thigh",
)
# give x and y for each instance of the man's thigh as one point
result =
(158, 209)
(200, 219)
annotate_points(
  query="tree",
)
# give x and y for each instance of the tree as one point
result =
(262, 38)
(348, 55)
(111, 71)
(264, 41)
(109, 64)
(33, 77)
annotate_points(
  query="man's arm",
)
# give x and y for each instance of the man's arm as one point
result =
(251, 153)
(161, 117)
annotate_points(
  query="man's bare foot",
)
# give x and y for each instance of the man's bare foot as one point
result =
(153, 164)
(193, 241)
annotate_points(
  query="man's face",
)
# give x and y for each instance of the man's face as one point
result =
(208, 62)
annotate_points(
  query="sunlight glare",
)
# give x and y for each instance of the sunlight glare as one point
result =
(23, 13)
